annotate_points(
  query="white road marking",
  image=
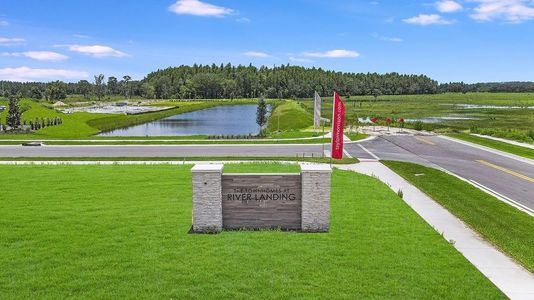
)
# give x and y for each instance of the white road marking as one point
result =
(503, 197)
(494, 151)
(369, 152)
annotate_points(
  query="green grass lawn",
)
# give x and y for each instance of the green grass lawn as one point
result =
(292, 134)
(289, 115)
(502, 146)
(508, 228)
(74, 125)
(354, 136)
(122, 232)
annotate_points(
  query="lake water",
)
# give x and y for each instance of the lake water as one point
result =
(220, 120)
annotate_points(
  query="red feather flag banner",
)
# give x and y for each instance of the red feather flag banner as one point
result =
(338, 124)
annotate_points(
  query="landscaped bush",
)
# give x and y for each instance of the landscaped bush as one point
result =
(418, 125)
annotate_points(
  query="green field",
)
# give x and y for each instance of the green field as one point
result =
(508, 228)
(122, 232)
(519, 99)
(416, 107)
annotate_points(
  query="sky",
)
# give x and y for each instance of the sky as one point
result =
(463, 40)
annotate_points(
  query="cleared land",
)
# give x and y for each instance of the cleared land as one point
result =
(508, 228)
(116, 231)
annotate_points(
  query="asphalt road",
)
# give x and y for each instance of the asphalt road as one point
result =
(509, 177)
(266, 150)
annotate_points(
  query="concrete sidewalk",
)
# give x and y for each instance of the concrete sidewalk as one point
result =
(511, 278)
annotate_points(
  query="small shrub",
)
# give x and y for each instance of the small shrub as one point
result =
(418, 125)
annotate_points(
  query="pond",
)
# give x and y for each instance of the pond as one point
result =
(219, 120)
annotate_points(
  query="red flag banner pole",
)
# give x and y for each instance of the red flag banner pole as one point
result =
(338, 124)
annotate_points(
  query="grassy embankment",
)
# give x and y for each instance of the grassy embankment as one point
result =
(508, 228)
(121, 232)
(502, 146)
(289, 116)
(291, 119)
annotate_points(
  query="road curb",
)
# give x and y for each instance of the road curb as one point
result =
(488, 149)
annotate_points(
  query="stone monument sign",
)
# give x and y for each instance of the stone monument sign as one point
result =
(261, 201)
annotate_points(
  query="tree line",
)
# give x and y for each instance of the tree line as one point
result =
(489, 87)
(58, 90)
(229, 81)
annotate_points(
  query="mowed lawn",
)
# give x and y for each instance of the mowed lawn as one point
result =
(508, 228)
(118, 231)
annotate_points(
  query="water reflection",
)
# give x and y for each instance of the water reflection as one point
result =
(220, 120)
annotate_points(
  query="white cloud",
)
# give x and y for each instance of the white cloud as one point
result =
(198, 8)
(80, 36)
(39, 55)
(256, 54)
(11, 41)
(340, 53)
(243, 20)
(96, 50)
(30, 74)
(4, 23)
(425, 20)
(300, 59)
(387, 39)
(513, 11)
(448, 6)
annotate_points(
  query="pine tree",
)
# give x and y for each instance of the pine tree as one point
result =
(261, 114)
(13, 115)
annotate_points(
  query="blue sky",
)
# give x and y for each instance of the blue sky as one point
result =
(469, 40)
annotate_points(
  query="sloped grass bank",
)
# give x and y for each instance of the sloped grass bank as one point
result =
(120, 231)
(502, 146)
(289, 115)
(503, 225)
